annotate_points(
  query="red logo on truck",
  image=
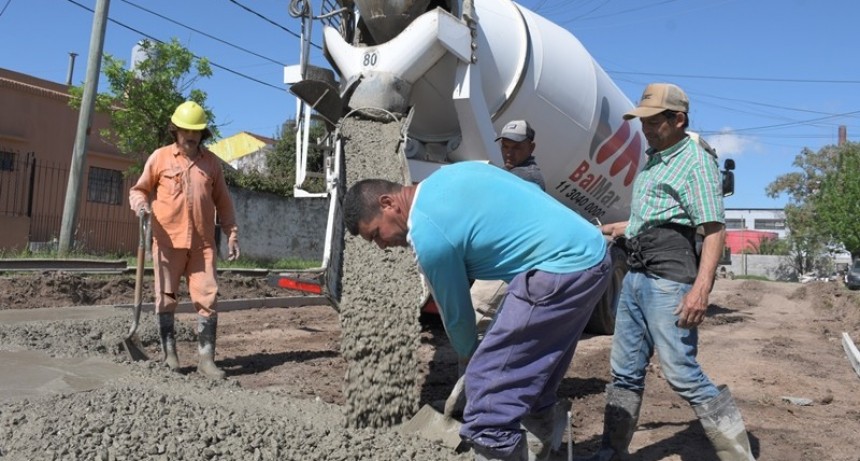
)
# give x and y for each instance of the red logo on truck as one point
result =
(628, 157)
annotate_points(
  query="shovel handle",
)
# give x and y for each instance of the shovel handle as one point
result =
(145, 233)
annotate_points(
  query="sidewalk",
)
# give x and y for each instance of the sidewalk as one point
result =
(30, 374)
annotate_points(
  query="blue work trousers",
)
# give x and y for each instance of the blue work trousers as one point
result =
(646, 320)
(526, 351)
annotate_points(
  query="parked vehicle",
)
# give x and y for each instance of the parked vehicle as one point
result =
(852, 278)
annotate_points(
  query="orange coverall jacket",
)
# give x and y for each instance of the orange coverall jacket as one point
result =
(185, 196)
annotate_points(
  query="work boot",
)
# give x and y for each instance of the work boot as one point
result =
(545, 430)
(520, 452)
(724, 427)
(167, 333)
(206, 332)
(619, 423)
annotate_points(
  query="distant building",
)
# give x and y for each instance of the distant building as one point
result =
(244, 151)
(757, 219)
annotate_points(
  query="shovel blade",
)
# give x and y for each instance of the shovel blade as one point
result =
(433, 425)
(133, 349)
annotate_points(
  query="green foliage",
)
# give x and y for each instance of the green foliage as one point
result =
(838, 202)
(807, 238)
(259, 182)
(141, 101)
(281, 161)
(773, 246)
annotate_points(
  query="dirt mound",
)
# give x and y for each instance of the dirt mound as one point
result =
(833, 301)
(57, 288)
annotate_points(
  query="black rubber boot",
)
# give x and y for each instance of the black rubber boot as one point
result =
(545, 430)
(167, 333)
(620, 418)
(206, 332)
(724, 427)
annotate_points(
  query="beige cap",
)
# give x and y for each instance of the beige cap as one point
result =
(658, 97)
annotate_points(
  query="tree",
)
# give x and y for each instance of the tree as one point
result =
(281, 161)
(806, 235)
(838, 202)
(772, 246)
(140, 101)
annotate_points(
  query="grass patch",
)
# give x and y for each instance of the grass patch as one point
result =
(752, 277)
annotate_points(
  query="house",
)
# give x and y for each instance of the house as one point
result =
(37, 137)
(244, 151)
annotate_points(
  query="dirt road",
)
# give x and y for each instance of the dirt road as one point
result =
(283, 396)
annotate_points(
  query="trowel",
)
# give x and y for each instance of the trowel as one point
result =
(438, 426)
(131, 343)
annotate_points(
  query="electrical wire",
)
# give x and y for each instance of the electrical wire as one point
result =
(212, 63)
(265, 18)
(203, 33)
(5, 6)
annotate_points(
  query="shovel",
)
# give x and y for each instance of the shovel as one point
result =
(439, 427)
(131, 343)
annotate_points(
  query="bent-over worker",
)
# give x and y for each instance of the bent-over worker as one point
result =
(459, 224)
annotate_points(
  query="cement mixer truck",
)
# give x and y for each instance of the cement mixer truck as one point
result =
(456, 71)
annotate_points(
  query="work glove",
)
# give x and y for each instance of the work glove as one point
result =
(456, 401)
(233, 248)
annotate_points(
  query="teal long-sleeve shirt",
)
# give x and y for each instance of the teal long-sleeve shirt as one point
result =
(471, 220)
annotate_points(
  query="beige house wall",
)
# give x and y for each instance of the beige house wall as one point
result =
(35, 117)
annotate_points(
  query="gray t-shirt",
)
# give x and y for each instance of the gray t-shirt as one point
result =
(529, 171)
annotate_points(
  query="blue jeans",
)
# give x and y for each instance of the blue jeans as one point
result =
(646, 320)
(526, 351)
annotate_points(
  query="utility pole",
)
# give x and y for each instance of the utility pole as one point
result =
(85, 116)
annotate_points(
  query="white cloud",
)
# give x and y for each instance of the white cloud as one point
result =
(729, 144)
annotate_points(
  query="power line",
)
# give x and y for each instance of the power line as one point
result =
(266, 18)
(203, 33)
(788, 124)
(751, 79)
(5, 6)
(212, 63)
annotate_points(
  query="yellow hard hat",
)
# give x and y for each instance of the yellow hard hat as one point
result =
(190, 116)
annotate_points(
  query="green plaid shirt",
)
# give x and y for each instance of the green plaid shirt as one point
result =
(681, 185)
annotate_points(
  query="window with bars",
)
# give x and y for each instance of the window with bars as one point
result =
(7, 160)
(105, 186)
(770, 224)
(735, 224)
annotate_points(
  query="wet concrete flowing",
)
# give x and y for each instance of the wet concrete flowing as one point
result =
(382, 295)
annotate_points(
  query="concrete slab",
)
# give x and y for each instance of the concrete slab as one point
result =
(27, 374)
(13, 316)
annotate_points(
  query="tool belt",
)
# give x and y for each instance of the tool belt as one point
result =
(667, 251)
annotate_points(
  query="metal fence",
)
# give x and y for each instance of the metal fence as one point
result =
(37, 190)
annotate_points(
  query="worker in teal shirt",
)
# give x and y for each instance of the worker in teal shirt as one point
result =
(471, 220)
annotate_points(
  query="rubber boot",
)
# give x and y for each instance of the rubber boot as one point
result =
(206, 332)
(724, 427)
(520, 452)
(167, 333)
(620, 418)
(545, 430)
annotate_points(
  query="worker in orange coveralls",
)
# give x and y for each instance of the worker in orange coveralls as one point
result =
(182, 186)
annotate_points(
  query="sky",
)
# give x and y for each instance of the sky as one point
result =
(766, 78)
